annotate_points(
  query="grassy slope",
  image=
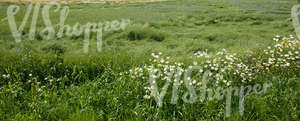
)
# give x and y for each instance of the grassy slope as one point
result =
(93, 90)
(195, 25)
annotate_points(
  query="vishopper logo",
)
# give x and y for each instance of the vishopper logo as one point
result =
(295, 17)
(202, 93)
(49, 32)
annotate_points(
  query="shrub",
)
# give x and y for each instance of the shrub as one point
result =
(55, 49)
(142, 33)
(224, 68)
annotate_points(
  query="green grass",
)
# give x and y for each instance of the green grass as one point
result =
(90, 87)
(218, 24)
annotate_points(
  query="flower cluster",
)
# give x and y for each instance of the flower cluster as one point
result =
(6, 76)
(219, 67)
(284, 54)
(224, 68)
(160, 69)
(222, 64)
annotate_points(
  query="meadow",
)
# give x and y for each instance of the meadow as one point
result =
(241, 42)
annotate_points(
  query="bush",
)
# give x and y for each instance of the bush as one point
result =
(226, 69)
(55, 49)
(142, 33)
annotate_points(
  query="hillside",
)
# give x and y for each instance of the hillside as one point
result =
(208, 60)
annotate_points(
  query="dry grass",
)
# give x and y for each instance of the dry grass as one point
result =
(78, 1)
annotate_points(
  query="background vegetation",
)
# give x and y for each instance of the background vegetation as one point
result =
(55, 80)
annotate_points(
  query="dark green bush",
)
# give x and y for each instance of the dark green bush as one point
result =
(55, 49)
(143, 33)
(136, 35)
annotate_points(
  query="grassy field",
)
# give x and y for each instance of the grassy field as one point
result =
(55, 80)
(75, 1)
